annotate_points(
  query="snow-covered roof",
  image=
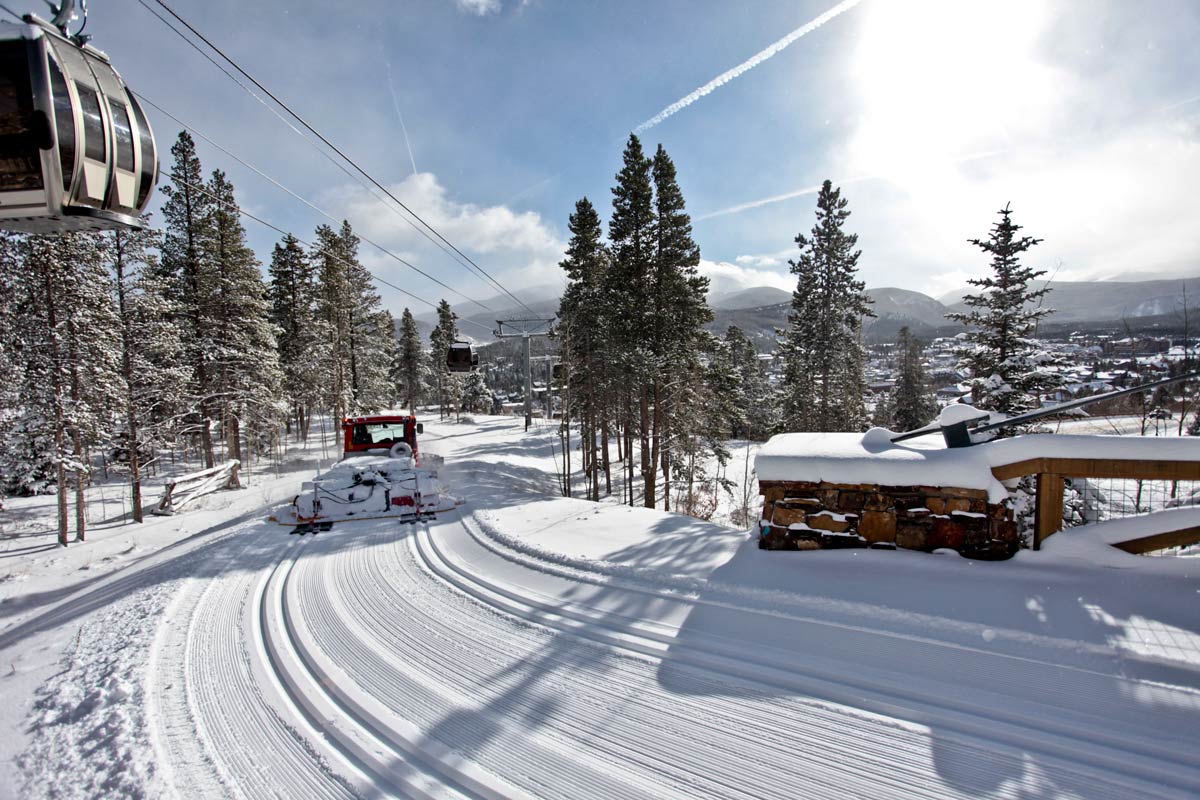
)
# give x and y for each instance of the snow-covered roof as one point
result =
(872, 458)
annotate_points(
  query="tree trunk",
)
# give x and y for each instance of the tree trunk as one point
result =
(135, 472)
(649, 463)
(56, 379)
(605, 459)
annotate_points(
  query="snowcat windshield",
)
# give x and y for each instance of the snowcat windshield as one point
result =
(368, 433)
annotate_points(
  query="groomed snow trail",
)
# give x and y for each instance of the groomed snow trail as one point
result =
(469, 657)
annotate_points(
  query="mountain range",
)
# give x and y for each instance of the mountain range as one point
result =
(760, 310)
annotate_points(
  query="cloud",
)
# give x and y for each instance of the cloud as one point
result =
(747, 65)
(480, 8)
(1093, 157)
(519, 249)
(724, 278)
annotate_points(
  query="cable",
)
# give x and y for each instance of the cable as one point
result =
(337, 150)
(264, 222)
(324, 153)
(277, 229)
(279, 185)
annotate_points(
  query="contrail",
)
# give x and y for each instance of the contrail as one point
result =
(807, 190)
(747, 65)
(396, 103)
(778, 198)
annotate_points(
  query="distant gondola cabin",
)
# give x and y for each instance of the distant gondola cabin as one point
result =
(461, 357)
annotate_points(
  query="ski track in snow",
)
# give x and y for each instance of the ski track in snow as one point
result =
(453, 659)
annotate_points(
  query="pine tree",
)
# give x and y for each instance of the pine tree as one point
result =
(187, 277)
(476, 396)
(1003, 359)
(412, 367)
(151, 353)
(9, 357)
(824, 360)
(628, 282)
(244, 370)
(584, 329)
(302, 334)
(359, 330)
(68, 336)
(444, 334)
(912, 404)
(755, 413)
(679, 311)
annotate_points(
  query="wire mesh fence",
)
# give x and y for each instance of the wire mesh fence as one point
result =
(1097, 499)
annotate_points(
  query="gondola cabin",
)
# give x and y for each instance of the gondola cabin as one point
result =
(461, 357)
(76, 150)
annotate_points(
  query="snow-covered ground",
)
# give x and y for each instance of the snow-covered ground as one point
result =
(528, 645)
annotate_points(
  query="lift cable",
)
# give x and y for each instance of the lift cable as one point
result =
(337, 150)
(323, 213)
(272, 226)
(280, 230)
(316, 146)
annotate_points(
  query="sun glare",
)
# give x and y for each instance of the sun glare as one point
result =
(945, 80)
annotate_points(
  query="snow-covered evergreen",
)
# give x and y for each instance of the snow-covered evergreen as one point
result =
(410, 369)
(302, 333)
(447, 386)
(1005, 361)
(823, 355)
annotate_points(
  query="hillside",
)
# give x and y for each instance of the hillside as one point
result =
(1108, 301)
(760, 310)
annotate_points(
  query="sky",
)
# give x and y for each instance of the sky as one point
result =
(491, 118)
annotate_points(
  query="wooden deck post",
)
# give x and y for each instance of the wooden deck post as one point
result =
(1049, 507)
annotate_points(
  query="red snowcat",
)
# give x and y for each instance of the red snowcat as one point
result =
(380, 476)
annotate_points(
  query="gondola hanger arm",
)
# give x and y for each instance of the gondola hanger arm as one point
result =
(64, 15)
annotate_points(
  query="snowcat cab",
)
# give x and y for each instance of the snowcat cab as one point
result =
(379, 434)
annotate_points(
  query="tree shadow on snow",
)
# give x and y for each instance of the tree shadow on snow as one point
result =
(937, 643)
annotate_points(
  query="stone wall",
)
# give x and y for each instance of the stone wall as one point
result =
(799, 515)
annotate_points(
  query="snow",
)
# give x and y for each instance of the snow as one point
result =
(528, 645)
(852, 458)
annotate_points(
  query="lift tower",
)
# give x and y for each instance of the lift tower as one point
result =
(525, 329)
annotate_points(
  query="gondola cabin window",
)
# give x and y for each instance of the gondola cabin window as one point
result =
(20, 161)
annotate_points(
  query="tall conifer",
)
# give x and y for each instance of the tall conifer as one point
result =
(1003, 359)
(824, 359)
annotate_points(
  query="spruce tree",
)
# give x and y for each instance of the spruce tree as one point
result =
(679, 312)
(1003, 359)
(302, 334)
(360, 331)
(244, 370)
(824, 360)
(187, 277)
(754, 415)
(444, 334)
(10, 362)
(628, 283)
(152, 367)
(69, 344)
(585, 331)
(912, 403)
(412, 368)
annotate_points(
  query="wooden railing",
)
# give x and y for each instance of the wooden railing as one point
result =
(186, 488)
(1052, 474)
